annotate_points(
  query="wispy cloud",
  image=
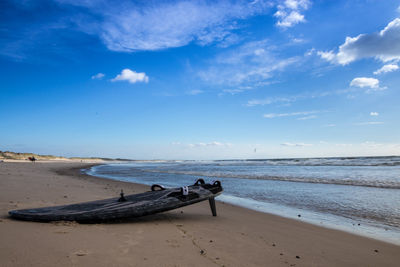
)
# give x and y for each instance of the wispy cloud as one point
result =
(125, 25)
(286, 100)
(387, 68)
(98, 76)
(131, 76)
(383, 45)
(344, 145)
(307, 117)
(237, 90)
(292, 114)
(289, 12)
(194, 92)
(30, 37)
(251, 64)
(203, 144)
(295, 144)
(147, 25)
(369, 123)
(270, 100)
(374, 114)
(372, 144)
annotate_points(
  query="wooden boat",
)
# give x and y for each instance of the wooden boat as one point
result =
(157, 200)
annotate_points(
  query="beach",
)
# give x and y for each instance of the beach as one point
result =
(189, 236)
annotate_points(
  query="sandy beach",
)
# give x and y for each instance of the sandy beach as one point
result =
(185, 237)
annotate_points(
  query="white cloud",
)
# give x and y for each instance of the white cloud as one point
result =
(98, 76)
(330, 125)
(387, 68)
(296, 4)
(292, 114)
(383, 45)
(131, 76)
(288, 12)
(295, 144)
(289, 20)
(365, 82)
(374, 114)
(328, 56)
(147, 25)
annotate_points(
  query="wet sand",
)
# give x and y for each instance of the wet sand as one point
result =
(185, 237)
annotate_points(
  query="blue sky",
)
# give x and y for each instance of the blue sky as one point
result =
(200, 79)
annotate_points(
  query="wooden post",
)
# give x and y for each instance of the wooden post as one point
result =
(211, 200)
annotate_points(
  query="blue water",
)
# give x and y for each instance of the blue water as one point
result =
(359, 195)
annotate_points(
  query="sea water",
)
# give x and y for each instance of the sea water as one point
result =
(359, 195)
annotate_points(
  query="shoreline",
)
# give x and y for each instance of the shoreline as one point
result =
(355, 226)
(186, 236)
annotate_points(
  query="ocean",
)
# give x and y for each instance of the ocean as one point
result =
(360, 195)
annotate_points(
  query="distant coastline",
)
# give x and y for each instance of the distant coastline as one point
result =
(9, 155)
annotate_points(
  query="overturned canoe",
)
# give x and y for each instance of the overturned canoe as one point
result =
(130, 206)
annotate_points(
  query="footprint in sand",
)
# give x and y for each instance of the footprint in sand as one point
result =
(130, 241)
(61, 232)
(81, 253)
(173, 243)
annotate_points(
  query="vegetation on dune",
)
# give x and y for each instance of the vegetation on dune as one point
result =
(26, 156)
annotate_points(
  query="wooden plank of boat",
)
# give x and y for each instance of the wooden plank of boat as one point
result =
(130, 206)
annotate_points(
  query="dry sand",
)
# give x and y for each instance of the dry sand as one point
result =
(186, 237)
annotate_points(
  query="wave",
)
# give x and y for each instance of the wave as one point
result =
(334, 161)
(349, 182)
(331, 161)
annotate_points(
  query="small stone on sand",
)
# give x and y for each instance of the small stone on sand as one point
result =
(297, 257)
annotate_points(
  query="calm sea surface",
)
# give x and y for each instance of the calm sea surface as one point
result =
(358, 195)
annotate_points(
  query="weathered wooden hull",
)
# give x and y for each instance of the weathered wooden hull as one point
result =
(133, 205)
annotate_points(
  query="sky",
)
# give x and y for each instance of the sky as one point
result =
(200, 79)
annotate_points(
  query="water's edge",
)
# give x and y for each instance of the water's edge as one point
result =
(330, 221)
